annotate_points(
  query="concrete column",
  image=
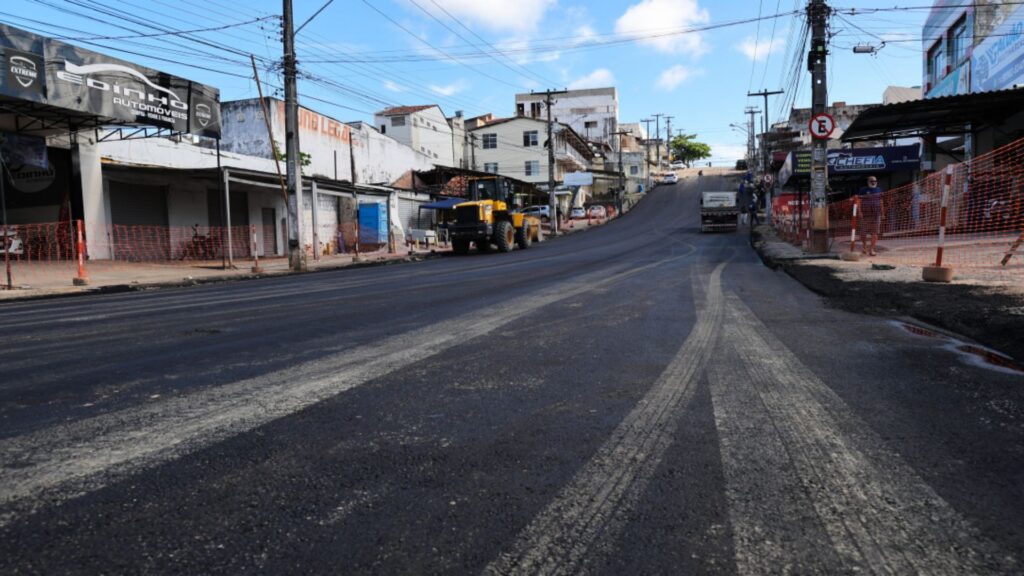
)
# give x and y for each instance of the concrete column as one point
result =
(94, 203)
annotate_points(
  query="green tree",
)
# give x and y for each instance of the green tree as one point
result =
(304, 158)
(687, 149)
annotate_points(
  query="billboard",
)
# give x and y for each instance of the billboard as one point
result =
(999, 58)
(50, 72)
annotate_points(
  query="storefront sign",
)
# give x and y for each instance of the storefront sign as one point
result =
(999, 59)
(854, 160)
(50, 72)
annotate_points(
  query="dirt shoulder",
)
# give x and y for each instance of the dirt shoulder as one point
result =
(991, 315)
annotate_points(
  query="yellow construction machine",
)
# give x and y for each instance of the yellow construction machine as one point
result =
(490, 218)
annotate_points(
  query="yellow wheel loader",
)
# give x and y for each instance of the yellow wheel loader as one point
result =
(490, 220)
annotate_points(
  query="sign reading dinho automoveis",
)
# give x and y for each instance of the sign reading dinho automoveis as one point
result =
(50, 72)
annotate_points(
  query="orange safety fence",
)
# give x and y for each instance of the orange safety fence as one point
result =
(983, 230)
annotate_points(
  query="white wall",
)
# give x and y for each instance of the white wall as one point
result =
(577, 107)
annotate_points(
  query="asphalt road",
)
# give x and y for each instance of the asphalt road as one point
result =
(635, 399)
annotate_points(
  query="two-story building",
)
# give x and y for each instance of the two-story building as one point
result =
(426, 130)
(517, 147)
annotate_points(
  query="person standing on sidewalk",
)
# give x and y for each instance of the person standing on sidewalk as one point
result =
(870, 224)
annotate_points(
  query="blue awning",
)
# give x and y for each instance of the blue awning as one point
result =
(446, 204)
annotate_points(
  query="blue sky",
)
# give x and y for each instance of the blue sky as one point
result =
(363, 55)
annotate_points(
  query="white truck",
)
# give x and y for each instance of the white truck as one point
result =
(718, 211)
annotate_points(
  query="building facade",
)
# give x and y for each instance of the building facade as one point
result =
(973, 47)
(516, 147)
(593, 113)
(425, 129)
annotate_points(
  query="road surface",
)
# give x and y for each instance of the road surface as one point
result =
(635, 399)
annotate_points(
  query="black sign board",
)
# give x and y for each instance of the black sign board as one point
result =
(85, 81)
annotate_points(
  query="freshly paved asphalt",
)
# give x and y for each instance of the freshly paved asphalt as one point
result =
(635, 399)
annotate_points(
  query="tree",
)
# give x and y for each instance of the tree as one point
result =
(686, 149)
(304, 158)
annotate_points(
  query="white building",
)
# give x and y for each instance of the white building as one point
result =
(329, 147)
(425, 129)
(593, 113)
(516, 147)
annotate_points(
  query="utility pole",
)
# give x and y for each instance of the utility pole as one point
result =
(622, 170)
(472, 150)
(657, 142)
(751, 143)
(552, 200)
(764, 122)
(668, 138)
(293, 167)
(818, 14)
(647, 150)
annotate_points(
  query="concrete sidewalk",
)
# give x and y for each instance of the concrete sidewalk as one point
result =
(49, 279)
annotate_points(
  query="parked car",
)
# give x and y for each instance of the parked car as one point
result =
(741, 164)
(677, 165)
(671, 178)
(597, 211)
(578, 212)
(540, 211)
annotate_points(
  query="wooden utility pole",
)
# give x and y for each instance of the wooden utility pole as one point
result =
(647, 150)
(657, 141)
(622, 172)
(817, 14)
(293, 167)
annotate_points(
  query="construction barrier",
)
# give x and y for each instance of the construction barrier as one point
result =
(969, 216)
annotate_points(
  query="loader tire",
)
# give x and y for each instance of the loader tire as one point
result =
(504, 236)
(524, 236)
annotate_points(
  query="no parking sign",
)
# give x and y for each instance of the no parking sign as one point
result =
(822, 126)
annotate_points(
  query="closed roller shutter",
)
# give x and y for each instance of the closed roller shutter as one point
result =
(139, 216)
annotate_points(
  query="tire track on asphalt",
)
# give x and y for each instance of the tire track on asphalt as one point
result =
(579, 525)
(791, 446)
(51, 466)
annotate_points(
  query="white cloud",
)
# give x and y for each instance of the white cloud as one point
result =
(674, 76)
(759, 50)
(727, 152)
(649, 21)
(520, 15)
(597, 79)
(584, 34)
(450, 89)
(388, 84)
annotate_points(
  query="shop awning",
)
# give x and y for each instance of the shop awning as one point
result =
(944, 116)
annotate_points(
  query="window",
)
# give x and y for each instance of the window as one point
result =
(491, 167)
(590, 124)
(383, 129)
(535, 109)
(397, 121)
(958, 42)
(530, 138)
(936, 62)
(532, 167)
(490, 141)
(634, 170)
(520, 109)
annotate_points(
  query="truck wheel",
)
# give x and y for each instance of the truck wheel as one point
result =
(524, 236)
(460, 246)
(504, 236)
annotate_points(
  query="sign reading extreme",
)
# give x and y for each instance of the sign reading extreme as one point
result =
(48, 72)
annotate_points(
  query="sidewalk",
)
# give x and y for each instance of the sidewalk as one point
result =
(42, 279)
(48, 279)
(987, 310)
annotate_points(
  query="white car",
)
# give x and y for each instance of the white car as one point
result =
(578, 212)
(540, 211)
(677, 165)
(597, 211)
(671, 178)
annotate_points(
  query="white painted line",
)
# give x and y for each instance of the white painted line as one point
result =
(590, 512)
(66, 461)
(879, 514)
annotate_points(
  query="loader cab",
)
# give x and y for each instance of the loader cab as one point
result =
(496, 188)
